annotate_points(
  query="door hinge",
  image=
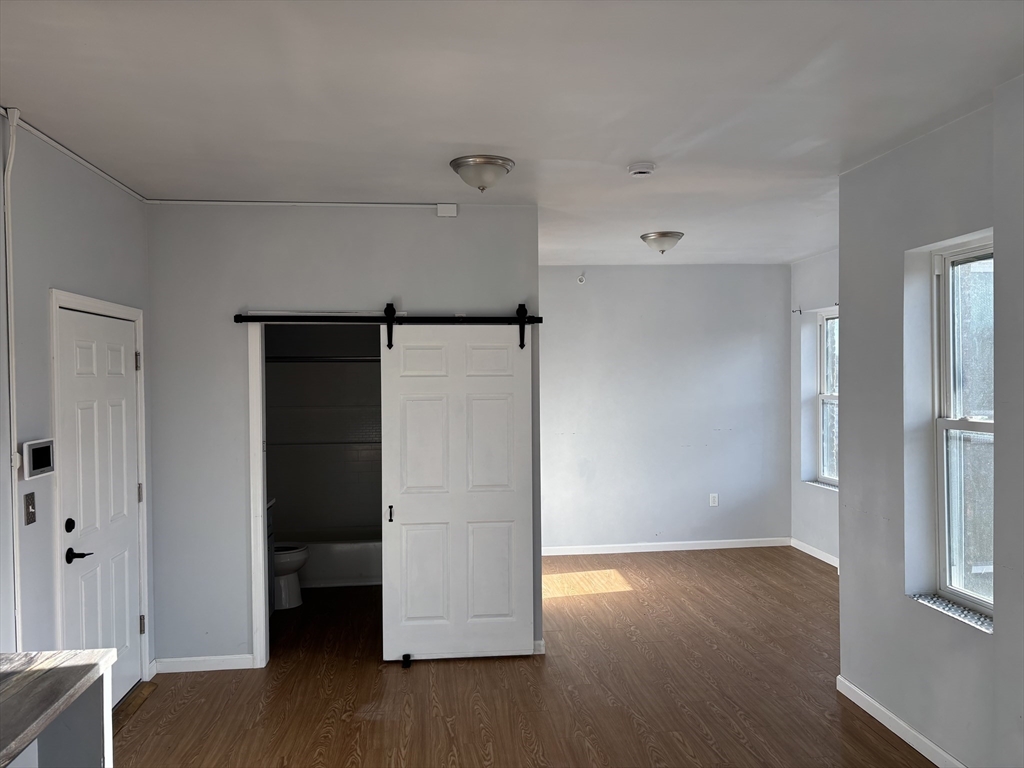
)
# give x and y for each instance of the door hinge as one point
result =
(142, 624)
(140, 493)
(138, 361)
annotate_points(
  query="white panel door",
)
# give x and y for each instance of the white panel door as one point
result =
(458, 492)
(97, 461)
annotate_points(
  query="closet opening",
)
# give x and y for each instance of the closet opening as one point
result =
(322, 420)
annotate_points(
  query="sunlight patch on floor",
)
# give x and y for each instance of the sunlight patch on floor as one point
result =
(584, 583)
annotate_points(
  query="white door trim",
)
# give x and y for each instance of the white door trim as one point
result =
(257, 504)
(63, 300)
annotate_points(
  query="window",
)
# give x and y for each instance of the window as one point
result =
(828, 397)
(965, 427)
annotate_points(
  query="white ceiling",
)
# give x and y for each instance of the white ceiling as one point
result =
(750, 109)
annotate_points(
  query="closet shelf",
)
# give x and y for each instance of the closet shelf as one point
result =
(366, 359)
(323, 407)
(324, 442)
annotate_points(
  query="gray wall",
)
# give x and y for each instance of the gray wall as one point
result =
(323, 449)
(210, 262)
(74, 231)
(7, 610)
(815, 286)
(1008, 235)
(959, 687)
(660, 385)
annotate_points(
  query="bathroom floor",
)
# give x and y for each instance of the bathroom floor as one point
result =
(725, 657)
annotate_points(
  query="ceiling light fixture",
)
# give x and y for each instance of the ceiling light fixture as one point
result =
(482, 171)
(641, 170)
(662, 241)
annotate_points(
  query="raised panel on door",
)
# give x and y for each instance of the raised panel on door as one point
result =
(90, 605)
(424, 359)
(490, 359)
(490, 442)
(120, 600)
(424, 446)
(118, 449)
(115, 359)
(491, 558)
(425, 577)
(86, 467)
(85, 357)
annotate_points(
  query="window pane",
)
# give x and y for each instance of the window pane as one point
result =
(831, 382)
(969, 456)
(830, 439)
(971, 332)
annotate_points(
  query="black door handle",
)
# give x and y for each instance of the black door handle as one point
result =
(391, 514)
(69, 525)
(71, 555)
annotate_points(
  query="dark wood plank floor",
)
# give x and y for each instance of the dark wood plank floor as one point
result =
(709, 658)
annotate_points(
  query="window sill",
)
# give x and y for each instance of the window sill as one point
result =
(819, 484)
(966, 615)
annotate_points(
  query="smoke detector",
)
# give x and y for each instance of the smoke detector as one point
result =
(641, 170)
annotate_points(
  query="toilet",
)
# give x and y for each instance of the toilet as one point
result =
(289, 557)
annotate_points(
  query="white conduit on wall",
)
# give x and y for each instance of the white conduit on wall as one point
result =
(12, 129)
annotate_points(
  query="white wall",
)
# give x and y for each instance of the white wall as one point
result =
(74, 231)
(959, 687)
(815, 286)
(211, 262)
(659, 386)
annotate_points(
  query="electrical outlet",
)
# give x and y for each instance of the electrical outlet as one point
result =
(713, 500)
(30, 508)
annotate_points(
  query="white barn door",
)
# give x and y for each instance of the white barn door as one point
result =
(458, 492)
(97, 446)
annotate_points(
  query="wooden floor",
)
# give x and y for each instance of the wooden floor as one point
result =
(710, 658)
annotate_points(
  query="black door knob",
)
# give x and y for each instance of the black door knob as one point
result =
(71, 555)
(69, 525)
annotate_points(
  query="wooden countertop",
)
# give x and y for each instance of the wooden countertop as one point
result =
(36, 687)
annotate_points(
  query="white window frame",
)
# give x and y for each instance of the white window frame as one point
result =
(944, 262)
(824, 315)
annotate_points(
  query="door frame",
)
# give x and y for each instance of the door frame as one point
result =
(258, 565)
(64, 300)
(258, 578)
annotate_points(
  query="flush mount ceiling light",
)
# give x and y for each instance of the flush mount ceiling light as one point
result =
(662, 241)
(482, 171)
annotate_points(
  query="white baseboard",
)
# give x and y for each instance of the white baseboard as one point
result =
(665, 546)
(815, 552)
(151, 670)
(205, 663)
(914, 738)
(538, 648)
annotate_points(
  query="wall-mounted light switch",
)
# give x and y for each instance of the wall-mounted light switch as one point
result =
(713, 500)
(30, 508)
